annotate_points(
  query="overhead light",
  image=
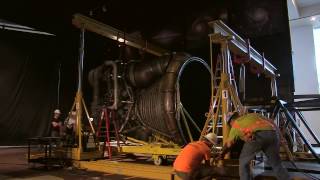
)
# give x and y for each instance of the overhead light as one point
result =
(313, 18)
(121, 40)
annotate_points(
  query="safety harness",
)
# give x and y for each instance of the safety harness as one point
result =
(248, 131)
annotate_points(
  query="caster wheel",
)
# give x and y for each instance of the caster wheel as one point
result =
(158, 160)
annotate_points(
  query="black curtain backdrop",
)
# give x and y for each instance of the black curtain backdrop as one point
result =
(29, 63)
(28, 80)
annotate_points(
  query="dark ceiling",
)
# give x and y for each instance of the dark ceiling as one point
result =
(175, 25)
(255, 17)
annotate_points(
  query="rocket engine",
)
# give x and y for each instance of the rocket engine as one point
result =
(146, 95)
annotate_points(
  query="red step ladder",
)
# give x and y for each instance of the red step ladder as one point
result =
(106, 115)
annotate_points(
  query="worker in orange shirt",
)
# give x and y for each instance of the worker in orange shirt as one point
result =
(188, 165)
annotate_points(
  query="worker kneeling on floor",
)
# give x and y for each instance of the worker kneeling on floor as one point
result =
(188, 165)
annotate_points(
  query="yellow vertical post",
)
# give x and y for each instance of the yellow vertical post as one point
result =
(211, 111)
(225, 107)
(78, 99)
(211, 73)
(79, 123)
(225, 80)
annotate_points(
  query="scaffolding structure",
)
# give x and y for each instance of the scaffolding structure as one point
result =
(225, 98)
(224, 95)
(224, 92)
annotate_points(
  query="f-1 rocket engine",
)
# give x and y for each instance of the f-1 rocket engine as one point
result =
(146, 95)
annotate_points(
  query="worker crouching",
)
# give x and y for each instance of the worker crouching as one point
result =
(188, 165)
(259, 134)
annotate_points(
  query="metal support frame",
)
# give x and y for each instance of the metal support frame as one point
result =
(160, 151)
(242, 81)
(79, 103)
(306, 124)
(78, 99)
(274, 91)
(224, 94)
(95, 26)
(280, 107)
(89, 24)
(239, 46)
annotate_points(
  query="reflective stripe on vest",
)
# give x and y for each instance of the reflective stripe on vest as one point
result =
(260, 123)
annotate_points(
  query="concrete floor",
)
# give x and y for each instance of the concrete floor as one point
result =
(13, 165)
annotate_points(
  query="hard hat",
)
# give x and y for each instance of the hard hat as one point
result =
(211, 137)
(57, 111)
(73, 113)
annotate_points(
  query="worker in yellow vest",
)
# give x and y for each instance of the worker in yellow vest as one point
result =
(259, 134)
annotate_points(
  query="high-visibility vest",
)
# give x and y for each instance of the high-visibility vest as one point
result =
(259, 123)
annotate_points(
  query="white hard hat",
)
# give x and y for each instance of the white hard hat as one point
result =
(57, 111)
(211, 137)
(73, 113)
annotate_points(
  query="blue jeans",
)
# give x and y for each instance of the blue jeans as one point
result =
(268, 142)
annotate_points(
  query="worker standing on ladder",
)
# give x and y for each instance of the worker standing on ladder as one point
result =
(188, 165)
(259, 134)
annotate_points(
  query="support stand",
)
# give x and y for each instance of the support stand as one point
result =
(224, 95)
(280, 108)
(105, 116)
(79, 103)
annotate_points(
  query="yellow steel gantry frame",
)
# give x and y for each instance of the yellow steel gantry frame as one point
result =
(79, 105)
(158, 148)
(86, 23)
(224, 97)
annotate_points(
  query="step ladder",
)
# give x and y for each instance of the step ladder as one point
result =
(216, 125)
(105, 133)
(224, 94)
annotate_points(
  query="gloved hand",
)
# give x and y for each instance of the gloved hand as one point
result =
(219, 157)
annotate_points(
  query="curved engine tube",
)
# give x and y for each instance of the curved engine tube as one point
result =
(168, 89)
(96, 74)
(115, 83)
(144, 73)
(93, 78)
